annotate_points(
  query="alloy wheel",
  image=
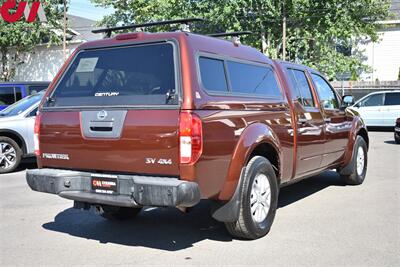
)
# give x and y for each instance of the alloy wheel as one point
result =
(360, 161)
(260, 198)
(8, 156)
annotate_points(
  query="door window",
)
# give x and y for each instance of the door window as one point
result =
(302, 90)
(212, 73)
(392, 99)
(9, 95)
(372, 101)
(326, 94)
(18, 93)
(33, 113)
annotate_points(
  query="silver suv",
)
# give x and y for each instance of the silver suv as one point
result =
(16, 132)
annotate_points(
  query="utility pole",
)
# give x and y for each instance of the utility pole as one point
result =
(65, 31)
(283, 31)
(264, 45)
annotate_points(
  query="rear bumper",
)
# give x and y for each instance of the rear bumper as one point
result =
(132, 190)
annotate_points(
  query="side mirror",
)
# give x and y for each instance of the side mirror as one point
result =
(348, 100)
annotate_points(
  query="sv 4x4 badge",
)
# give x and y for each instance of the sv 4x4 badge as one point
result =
(159, 161)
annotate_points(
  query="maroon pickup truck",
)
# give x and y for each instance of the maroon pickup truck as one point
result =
(167, 119)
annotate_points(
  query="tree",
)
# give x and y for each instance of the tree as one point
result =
(320, 34)
(19, 38)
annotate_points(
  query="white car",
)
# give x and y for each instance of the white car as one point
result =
(379, 108)
(16, 131)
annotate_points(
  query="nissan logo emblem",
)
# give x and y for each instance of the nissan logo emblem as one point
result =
(102, 115)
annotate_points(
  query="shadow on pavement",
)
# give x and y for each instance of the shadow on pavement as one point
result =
(390, 142)
(307, 187)
(380, 129)
(160, 228)
(168, 228)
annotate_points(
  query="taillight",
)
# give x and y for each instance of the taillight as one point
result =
(36, 132)
(190, 138)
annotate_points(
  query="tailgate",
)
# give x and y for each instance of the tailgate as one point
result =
(115, 109)
(134, 141)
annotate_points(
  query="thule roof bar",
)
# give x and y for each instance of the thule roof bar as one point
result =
(184, 22)
(233, 34)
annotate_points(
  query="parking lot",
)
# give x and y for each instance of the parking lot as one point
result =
(319, 222)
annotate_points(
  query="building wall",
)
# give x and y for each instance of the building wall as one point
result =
(383, 56)
(43, 63)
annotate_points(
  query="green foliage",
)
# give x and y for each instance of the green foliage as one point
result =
(19, 38)
(314, 28)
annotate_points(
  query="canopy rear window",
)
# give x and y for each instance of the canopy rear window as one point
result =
(123, 76)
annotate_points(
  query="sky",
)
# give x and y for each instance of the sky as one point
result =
(84, 8)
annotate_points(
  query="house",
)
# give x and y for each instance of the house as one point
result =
(43, 63)
(384, 56)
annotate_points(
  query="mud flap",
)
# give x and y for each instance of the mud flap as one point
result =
(229, 211)
(348, 169)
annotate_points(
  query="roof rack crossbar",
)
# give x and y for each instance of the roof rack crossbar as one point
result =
(108, 31)
(233, 34)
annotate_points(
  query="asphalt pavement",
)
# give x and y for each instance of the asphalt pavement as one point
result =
(320, 222)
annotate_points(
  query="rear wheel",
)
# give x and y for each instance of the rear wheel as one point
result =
(355, 172)
(258, 201)
(10, 155)
(117, 213)
(397, 138)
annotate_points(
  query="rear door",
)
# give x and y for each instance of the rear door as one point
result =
(391, 108)
(115, 110)
(310, 124)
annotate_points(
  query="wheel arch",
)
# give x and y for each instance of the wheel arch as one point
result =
(364, 134)
(268, 151)
(257, 139)
(358, 129)
(16, 137)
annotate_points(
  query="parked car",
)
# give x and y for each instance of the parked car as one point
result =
(12, 92)
(16, 132)
(379, 108)
(397, 131)
(168, 119)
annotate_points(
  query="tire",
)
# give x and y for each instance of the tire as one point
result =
(117, 213)
(256, 223)
(397, 139)
(354, 174)
(10, 155)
